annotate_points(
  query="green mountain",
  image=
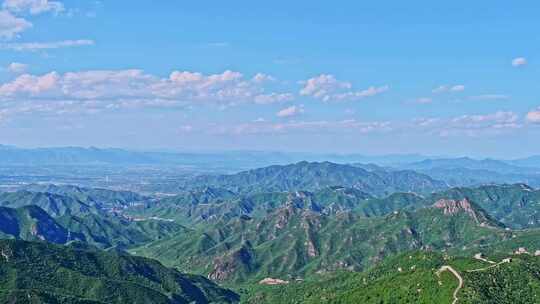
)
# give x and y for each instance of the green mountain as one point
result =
(99, 198)
(54, 204)
(33, 223)
(312, 176)
(211, 204)
(296, 241)
(416, 277)
(517, 206)
(44, 273)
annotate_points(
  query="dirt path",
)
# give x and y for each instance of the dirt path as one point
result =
(460, 279)
(489, 267)
(457, 275)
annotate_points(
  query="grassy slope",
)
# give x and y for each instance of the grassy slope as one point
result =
(417, 282)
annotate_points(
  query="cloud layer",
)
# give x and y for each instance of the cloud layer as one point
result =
(33, 7)
(534, 116)
(11, 26)
(38, 46)
(327, 88)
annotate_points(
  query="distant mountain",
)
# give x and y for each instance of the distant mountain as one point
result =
(517, 206)
(229, 160)
(532, 161)
(99, 198)
(54, 204)
(471, 172)
(210, 205)
(469, 163)
(295, 241)
(71, 200)
(312, 176)
(44, 273)
(463, 177)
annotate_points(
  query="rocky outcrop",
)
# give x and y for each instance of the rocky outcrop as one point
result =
(451, 207)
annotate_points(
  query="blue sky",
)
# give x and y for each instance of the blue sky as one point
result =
(453, 78)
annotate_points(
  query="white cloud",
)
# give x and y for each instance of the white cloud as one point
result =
(260, 77)
(323, 84)
(33, 7)
(29, 85)
(520, 61)
(533, 116)
(457, 88)
(11, 26)
(37, 46)
(470, 125)
(128, 89)
(291, 111)
(449, 88)
(424, 100)
(273, 98)
(327, 88)
(17, 68)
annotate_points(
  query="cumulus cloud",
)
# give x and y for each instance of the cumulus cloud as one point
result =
(533, 116)
(327, 88)
(291, 111)
(17, 68)
(449, 88)
(273, 98)
(34, 7)
(520, 61)
(11, 26)
(260, 77)
(38, 46)
(118, 89)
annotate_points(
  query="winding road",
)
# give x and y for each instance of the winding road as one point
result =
(457, 275)
(460, 279)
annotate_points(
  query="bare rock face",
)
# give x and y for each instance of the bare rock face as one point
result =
(226, 266)
(451, 207)
(271, 281)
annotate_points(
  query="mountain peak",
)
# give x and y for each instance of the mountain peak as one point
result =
(450, 206)
(465, 206)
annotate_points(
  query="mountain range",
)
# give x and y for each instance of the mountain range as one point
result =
(319, 230)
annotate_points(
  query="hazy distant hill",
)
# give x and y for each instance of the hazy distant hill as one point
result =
(470, 172)
(469, 163)
(315, 175)
(233, 159)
